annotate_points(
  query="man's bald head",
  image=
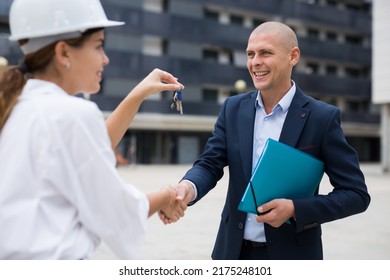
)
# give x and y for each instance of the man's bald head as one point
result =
(285, 33)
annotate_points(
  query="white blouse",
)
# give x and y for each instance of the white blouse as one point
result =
(59, 190)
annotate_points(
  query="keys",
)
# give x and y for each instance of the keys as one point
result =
(177, 101)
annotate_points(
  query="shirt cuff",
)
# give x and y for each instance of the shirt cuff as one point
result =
(194, 187)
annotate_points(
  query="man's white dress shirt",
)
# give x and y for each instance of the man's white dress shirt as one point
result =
(266, 126)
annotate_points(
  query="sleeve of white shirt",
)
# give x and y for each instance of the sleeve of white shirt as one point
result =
(107, 206)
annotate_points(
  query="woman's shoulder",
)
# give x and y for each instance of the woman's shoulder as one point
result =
(56, 106)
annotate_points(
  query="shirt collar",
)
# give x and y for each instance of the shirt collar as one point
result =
(42, 86)
(284, 103)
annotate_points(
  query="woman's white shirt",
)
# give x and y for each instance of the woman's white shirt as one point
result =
(60, 191)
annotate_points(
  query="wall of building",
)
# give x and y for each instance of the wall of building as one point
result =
(203, 43)
(381, 74)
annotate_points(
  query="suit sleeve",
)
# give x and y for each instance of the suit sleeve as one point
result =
(349, 195)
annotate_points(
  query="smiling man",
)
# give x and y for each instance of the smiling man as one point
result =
(279, 110)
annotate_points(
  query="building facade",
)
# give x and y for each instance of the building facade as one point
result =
(381, 74)
(203, 43)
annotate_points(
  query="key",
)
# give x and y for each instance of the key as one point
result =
(174, 100)
(177, 101)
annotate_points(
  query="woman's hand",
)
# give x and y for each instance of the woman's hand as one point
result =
(120, 119)
(157, 81)
(174, 209)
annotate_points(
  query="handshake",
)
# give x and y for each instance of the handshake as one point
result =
(175, 202)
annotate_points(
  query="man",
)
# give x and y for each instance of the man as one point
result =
(281, 111)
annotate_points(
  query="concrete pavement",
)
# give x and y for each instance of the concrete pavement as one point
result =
(364, 236)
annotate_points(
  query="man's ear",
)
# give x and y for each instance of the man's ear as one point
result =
(295, 55)
(61, 53)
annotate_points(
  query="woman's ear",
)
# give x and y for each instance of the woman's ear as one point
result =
(61, 53)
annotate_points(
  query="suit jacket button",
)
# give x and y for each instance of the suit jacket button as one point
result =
(240, 225)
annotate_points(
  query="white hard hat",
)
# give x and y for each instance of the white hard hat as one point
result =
(56, 19)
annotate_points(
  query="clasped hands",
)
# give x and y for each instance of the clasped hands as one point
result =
(277, 210)
(179, 199)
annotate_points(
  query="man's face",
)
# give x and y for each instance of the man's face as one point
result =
(269, 63)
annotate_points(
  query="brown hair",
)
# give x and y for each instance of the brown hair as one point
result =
(13, 78)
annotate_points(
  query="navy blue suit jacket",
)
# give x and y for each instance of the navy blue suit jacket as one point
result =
(310, 125)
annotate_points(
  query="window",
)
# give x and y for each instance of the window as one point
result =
(210, 55)
(312, 68)
(4, 28)
(312, 33)
(352, 72)
(352, 7)
(257, 22)
(355, 40)
(210, 95)
(357, 106)
(353, 106)
(331, 70)
(331, 36)
(165, 5)
(213, 15)
(236, 19)
(165, 46)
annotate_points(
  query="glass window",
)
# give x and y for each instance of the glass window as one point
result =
(351, 39)
(236, 19)
(312, 33)
(352, 72)
(331, 36)
(209, 14)
(210, 95)
(210, 55)
(331, 70)
(312, 68)
(257, 22)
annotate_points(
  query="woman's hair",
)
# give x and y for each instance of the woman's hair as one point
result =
(13, 78)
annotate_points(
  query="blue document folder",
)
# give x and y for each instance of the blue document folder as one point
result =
(281, 172)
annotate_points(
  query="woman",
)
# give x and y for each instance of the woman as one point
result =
(60, 190)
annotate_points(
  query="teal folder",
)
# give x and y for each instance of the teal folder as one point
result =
(281, 172)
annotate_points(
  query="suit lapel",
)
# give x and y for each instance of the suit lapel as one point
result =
(292, 127)
(246, 118)
(295, 120)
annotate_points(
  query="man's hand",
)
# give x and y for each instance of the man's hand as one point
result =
(184, 194)
(174, 209)
(277, 212)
